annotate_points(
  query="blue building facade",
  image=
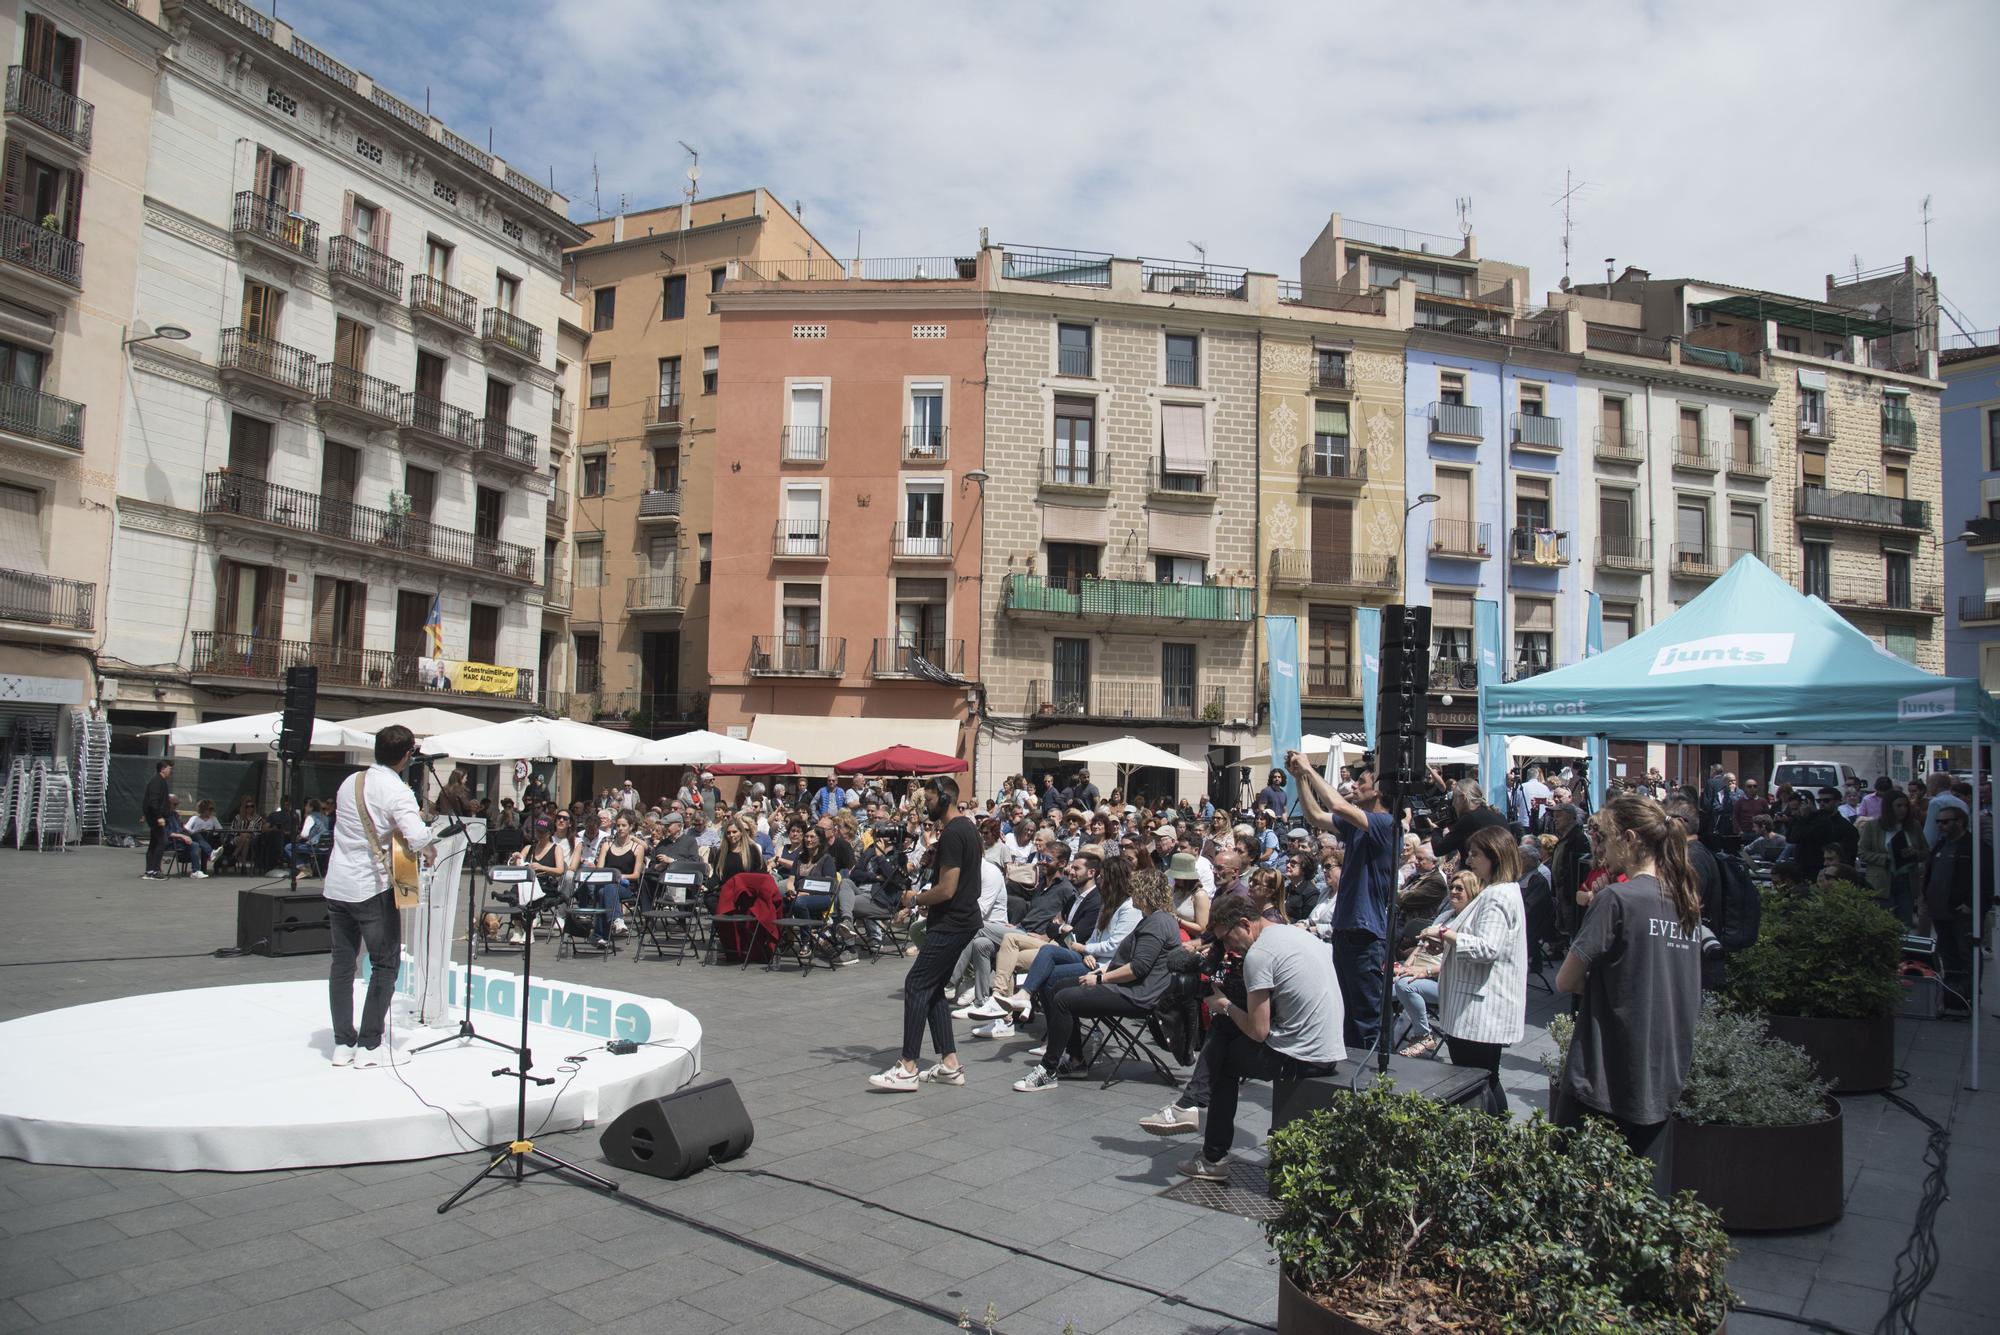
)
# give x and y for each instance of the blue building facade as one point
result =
(1969, 436)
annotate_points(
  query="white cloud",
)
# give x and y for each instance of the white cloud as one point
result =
(1763, 144)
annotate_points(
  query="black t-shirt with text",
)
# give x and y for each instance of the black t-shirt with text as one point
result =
(959, 847)
(1634, 1035)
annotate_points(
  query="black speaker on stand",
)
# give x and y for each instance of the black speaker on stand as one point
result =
(1402, 722)
(295, 729)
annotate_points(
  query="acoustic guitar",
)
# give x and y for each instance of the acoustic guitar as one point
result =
(404, 877)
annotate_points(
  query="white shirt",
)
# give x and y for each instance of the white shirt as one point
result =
(352, 873)
(1204, 872)
(992, 894)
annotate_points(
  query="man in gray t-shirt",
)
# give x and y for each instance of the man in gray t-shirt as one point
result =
(1290, 1028)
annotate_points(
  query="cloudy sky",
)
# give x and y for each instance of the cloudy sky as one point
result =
(1766, 144)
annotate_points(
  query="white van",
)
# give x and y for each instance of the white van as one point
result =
(1813, 776)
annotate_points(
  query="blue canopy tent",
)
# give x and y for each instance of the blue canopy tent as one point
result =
(1752, 658)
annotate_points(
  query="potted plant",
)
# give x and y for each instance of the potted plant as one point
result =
(1399, 1213)
(1824, 970)
(1755, 1135)
(1212, 712)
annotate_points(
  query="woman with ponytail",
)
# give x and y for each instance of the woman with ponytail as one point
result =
(1635, 964)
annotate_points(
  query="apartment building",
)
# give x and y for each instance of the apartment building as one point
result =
(1969, 438)
(79, 95)
(552, 659)
(1856, 479)
(356, 432)
(1330, 470)
(643, 525)
(1120, 572)
(851, 468)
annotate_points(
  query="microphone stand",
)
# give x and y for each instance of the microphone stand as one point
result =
(465, 1026)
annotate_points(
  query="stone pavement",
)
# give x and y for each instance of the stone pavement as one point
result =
(1060, 1191)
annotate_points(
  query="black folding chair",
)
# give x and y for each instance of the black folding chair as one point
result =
(670, 915)
(1127, 1038)
(593, 878)
(501, 883)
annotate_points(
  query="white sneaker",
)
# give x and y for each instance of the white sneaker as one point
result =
(199, 875)
(1172, 1120)
(995, 1029)
(993, 1008)
(343, 1055)
(895, 1080)
(517, 937)
(1021, 1003)
(365, 1058)
(1037, 1052)
(978, 1012)
(1035, 1081)
(941, 1074)
(619, 928)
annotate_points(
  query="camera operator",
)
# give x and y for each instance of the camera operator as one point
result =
(880, 879)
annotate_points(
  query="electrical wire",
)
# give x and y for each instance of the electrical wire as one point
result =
(1812, 1321)
(1917, 1263)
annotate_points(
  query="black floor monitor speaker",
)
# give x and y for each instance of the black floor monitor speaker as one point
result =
(282, 922)
(680, 1134)
(301, 703)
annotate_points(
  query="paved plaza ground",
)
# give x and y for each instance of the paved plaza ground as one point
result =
(1061, 1191)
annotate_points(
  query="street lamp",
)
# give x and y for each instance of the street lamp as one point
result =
(172, 333)
(1423, 499)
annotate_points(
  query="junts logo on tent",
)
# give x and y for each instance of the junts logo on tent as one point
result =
(1762, 650)
(1931, 704)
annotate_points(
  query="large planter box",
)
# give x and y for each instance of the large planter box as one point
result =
(1298, 1314)
(1763, 1177)
(1858, 1056)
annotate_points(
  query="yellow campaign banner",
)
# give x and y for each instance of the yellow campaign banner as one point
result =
(483, 678)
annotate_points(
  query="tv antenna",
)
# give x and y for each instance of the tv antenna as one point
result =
(1855, 261)
(1927, 233)
(1465, 215)
(1200, 252)
(1567, 199)
(694, 179)
(596, 192)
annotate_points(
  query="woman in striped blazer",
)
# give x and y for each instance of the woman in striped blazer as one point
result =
(1483, 986)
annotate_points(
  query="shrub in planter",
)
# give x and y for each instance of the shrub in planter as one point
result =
(1405, 1214)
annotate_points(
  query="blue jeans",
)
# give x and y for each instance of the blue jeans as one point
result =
(1357, 964)
(1416, 996)
(1053, 964)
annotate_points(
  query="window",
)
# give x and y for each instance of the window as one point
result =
(663, 558)
(1177, 685)
(595, 475)
(1620, 623)
(1073, 350)
(350, 344)
(589, 675)
(49, 53)
(430, 376)
(801, 617)
(1812, 468)
(589, 563)
(1812, 411)
(1691, 532)
(499, 403)
(1746, 531)
(1075, 460)
(1788, 343)
(1070, 668)
(251, 600)
(1326, 651)
(368, 224)
(1534, 635)
(339, 611)
(1831, 350)
(437, 259)
(1069, 563)
(1614, 524)
(1896, 482)
(603, 308)
(805, 534)
(1183, 359)
(487, 506)
(1451, 634)
(261, 307)
(1180, 569)
(1993, 440)
(339, 479)
(507, 293)
(704, 545)
(21, 367)
(420, 485)
(670, 385)
(926, 422)
(923, 519)
(716, 278)
(1331, 457)
(711, 364)
(1183, 448)
(249, 446)
(1330, 367)
(1534, 399)
(1690, 442)
(805, 426)
(1816, 569)
(1384, 273)
(667, 468)
(1743, 441)
(1451, 387)
(1611, 411)
(600, 384)
(1454, 529)
(1901, 643)
(1896, 579)
(1531, 502)
(413, 611)
(920, 613)
(482, 642)
(674, 297)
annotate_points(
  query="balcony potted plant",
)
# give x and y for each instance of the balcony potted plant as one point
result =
(1823, 970)
(399, 513)
(1212, 712)
(1399, 1213)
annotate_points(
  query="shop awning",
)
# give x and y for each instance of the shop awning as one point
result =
(818, 743)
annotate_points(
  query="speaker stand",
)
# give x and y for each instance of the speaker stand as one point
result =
(520, 1152)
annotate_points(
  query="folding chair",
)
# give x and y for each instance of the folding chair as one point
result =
(1127, 1038)
(669, 915)
(595, 878)
(501, 882)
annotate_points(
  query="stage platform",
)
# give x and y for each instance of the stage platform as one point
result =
(241, 1078)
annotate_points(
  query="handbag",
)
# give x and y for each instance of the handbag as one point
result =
(404, 881)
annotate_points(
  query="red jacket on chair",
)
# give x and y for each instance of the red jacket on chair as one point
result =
(754, 893)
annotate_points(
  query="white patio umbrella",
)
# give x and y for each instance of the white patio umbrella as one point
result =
(1314, 748)
(249, 734)
(702, 747)
(1522, 747)
(425, 721)
(534, 738)
(1437, 753)
(1128, 754)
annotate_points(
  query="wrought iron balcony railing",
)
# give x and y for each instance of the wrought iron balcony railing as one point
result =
(802, 444)
(291, 369)
(898, 656)
(1327, 681)
(1972, 608)
(1533, 431)
(660, 592)
(1532, 546)
(1170, 481)
(1332, 374)
(1884, 594)
(1862, 508)
(1696, 455)
(1623, 551)
(227, 654)
(506, 444)
(509, 333)
(1075, 468)
(790, 656)
(660, 505)
(270, 223)
(1700, 561)
(342, 387)
(43, 250)
(800, 538)
(26, 411)
(1620, 445)
(1333, 460)
(1748, 461)
(45, 600)
(436, 300)
(926, 444)
(350, 262)
(439, 421)
(920, 542)
(62, 114)
(1899, 428)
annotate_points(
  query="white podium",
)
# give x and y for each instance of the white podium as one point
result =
(428, 930)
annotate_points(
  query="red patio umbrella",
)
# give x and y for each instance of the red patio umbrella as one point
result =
(901, 760)
(753, 771)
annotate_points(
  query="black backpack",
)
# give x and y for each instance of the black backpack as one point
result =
(1738, 908)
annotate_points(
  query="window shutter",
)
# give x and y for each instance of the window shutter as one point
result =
(66, 71)
(324, 591)
(15, 180)
(263, 180)
(38, 47)
(20, 535)
(1075, 523)
(1812, 379)
(1181, 438)
(72, 217)
(1451, 609)
(382, 230)
(1173, 534)
(225, 597)
(270, 603)
(1993, 579)
(347, 213)
(1534, 614)
(298, 180)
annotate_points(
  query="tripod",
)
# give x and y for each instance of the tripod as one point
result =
(520, 1151)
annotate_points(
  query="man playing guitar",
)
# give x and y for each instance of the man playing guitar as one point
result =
(361, 903)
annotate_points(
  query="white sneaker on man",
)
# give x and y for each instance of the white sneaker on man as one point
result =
(1172, 1120)
(343, 1055)
(618, 928)
(974, 1012)
(993, 1008)
(365, 1058)
(1035, 1081)
(941, 1074)
(199, 875)
(995, 1029)
(895, 1080)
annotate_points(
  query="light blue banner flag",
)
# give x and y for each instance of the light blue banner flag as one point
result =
(1282, 633)
(1368, 629)
(1486, 652)
(1599, 748)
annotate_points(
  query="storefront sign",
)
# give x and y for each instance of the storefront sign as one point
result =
(20, 690)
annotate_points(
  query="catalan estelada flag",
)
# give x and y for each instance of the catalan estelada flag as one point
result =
(434, 627)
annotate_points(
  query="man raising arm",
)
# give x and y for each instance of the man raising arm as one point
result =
(1367, 880)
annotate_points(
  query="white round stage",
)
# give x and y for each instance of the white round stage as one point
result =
(241, 1078)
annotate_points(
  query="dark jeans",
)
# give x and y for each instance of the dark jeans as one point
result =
(1648, 1140)
(1954, 946)
(923, 992)
(1486, 1056)
(376, 924)
(1234, 1058)
(156, 844)
(1071, 1001)
(1195, 1093)
(1357, 964)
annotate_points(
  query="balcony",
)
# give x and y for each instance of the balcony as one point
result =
(506, 446)
(663, 413)
(241, 500)
(1456, 422)
(508, 335)
(442, 306)
(253, 657)
(63, 118)
(1299, 568)
(1191, 606)
(1622, 551)
(920, 542)
(1546, 548)
(557, 589)
(1098, 700)
(1697, 456)
(1076, 473)
(60, 605)
(1182, 372)
(341, 390)
(52, 262)
(261, 224)
(926, 444)
(1861, 509)
(1328, 681)
(562, 416)
(1887, 595)
(1332, 376)
(1454, 674)
(1748, 461)
(1976, 611)
(789, 656)
(1331, 464)
(649, 713)
(363, 271)
(1073, 363)
(38, 419)
(427, 421)
(802, 444)
(799, 540)
(660, 507)
(258, 363)
(1816, 426)
(656, 595)
(557, 513)
(1164, 483)
(1619, 445)
(1693, 561)
(1538, 434)
(1523, 671)
(899, 657)
(1461, 539)
(1899, 429)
